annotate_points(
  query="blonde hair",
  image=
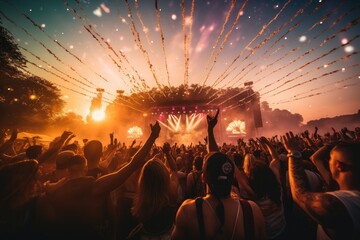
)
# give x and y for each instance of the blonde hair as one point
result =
(249, 162)
(153, 190)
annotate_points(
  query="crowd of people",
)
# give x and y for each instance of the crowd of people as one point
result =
(297, 186)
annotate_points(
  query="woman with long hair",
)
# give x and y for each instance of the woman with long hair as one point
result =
(155, 202)
(268, 197)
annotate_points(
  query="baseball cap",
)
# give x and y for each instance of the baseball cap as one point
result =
(219, 173)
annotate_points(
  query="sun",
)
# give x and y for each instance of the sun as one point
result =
(98, 115)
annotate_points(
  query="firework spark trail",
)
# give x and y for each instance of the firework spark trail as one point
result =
(324, 18)
(311, 80)
(320, 93)
(330, 63)
(53, 67)
(48, 50)
(294, 26)
(185, 45)
(297, 85)
(222, 77)
(145, 29)
(300, 11)
(137, 40)
(124, 71)
(162, 40)
(336, 21)
(227, 17)
(54, 40)
(305, 65)
(60, 45)
(103, 42)
(187, 59)
(106, 100)
(257, 35)
(297, 95)
(350, 25)
(57, 75)
(240, 12)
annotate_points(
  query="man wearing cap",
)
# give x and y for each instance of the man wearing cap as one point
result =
(217, 215)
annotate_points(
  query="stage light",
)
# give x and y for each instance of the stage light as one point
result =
(98, 115)
(236, 127)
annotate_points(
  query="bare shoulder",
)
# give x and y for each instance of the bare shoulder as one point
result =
(187, 206)
(183, 221)
(326, 209)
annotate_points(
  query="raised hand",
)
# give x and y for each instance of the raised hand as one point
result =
(65, 135)
(212, 121)
(291, 143)
(166, 148)
(155, 130)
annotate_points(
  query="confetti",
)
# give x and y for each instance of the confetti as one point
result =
(105, 8)
(302, 38)
(97, 12)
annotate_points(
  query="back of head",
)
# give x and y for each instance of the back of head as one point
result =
(263, 181)
(153, 190)
(154, 178)
(62, 159)
(198, 163)
(93, 151)
(219, 174)
(76, 164)
(249, 162)
(33, 152)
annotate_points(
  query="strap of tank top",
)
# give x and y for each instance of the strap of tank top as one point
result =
(248, 220)
(200, 217)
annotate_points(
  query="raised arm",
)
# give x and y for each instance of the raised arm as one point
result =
(166, 149)
(53, 150)
(111, 181)
(212, 121)
(324, 208)
(275, 161)
(318, 159)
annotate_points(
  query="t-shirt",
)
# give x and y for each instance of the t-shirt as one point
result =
(351, 201)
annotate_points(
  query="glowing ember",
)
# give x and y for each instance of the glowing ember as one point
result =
(32, 97)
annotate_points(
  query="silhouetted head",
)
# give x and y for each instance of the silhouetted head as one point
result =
(93, 151)
(219, 173)
(33, 152)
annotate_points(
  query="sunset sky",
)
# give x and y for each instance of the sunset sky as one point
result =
(301, 55)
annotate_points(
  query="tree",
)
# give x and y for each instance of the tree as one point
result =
(27, 102)
(10, 55)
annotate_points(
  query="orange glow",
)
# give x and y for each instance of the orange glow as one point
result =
(98, 115)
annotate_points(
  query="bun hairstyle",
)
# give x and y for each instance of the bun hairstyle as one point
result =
(219, 174)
